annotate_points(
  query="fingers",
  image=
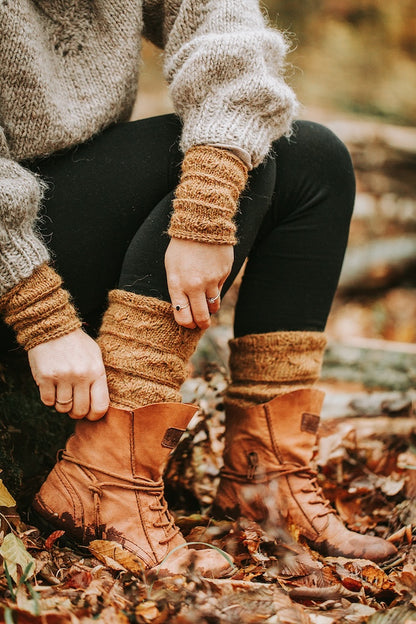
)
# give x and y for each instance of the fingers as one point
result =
(87, 401)
(181, 307)
(70, 374)
(190, 309)
(64, 398)
(99, 398)
(81, 401)
(47, 391)
(194, 309)
(213, 299)
(196, 271)
(200, 311)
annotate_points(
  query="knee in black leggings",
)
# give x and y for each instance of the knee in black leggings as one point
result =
(311, 164)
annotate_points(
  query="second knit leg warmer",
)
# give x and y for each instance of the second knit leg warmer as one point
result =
(145, 351)
(264, 366)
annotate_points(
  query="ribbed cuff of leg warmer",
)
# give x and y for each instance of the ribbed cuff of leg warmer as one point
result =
(262, 366)
(145, 351)
(207, 196)
(39, 309)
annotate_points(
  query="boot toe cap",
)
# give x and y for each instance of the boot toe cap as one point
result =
(376, 549)
(207, 563)
(357, 546)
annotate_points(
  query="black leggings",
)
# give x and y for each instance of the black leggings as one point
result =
(107, 210)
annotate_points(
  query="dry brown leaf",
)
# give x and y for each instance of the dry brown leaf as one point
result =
(111, 553)
(6, 499)
(49, 542)
(397, 615)
(406, 578)
(109, 615)
(369, 572)
(333, 448)
(350, 510)
(80, 579)
(147, 611)
(390, 485)
(336, 592)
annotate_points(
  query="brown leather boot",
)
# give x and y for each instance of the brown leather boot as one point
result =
(267, 475)
(108, 485)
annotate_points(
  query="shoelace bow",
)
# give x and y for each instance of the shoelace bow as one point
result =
(285, 470)
(137, 484)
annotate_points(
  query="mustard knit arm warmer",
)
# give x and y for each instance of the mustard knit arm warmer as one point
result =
(207, 195)
(38, 308)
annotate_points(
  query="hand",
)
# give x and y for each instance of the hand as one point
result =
(70, 374)
(195, 272)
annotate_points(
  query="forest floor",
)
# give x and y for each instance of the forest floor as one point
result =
(367, 468)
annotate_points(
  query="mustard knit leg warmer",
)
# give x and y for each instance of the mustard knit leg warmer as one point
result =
(145, 351)
(264, 366)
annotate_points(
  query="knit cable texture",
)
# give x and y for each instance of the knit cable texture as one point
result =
(145, 351)
(69, 70)
(39, 309)
(207, 196)
(264, 366)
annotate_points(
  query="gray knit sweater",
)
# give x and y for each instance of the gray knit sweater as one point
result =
(68, 68)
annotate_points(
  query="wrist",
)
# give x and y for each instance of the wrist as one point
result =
(206, 198)
(39, 309)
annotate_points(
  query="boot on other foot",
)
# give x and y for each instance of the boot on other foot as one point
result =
(267, 476)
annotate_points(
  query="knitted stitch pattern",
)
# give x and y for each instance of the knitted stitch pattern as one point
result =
(69, 69)
(39, 309)
(145, 351)
(264, 366)
(206, 198)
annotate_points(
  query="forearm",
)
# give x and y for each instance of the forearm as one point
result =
(206, 198)
(39, 309)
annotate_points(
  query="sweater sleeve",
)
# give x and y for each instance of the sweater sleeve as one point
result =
(225, 68)
(21, 249)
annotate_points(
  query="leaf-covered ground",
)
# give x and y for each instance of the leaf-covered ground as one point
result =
(368, 473)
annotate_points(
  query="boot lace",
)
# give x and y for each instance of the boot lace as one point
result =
(137, 484)
(311, 486)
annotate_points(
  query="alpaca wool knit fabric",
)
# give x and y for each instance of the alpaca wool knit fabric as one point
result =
(69, 69)
(145, 351)
(39, 309)
(264, 366)
(206, 198)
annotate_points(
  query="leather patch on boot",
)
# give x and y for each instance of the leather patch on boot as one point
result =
(309, 423)
(172, 437)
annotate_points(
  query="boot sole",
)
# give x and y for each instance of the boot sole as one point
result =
(47, 528)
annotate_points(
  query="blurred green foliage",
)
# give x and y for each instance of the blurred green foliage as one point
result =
(353, 54)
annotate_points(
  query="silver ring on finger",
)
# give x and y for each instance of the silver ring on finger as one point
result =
(213, 299)
(63, 402)
(178, 308)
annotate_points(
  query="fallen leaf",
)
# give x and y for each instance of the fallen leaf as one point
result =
(49, 542)
(406, 578)
(6, 499)
(147, 611)
(369, 572)
(105, 550)
(15, 554)
(79, 580)
(390, 485)
(397, 615)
